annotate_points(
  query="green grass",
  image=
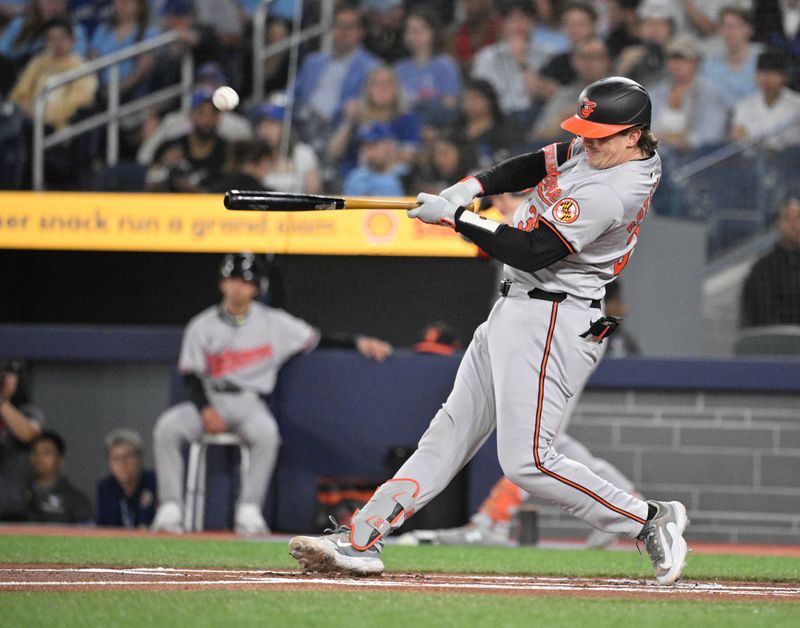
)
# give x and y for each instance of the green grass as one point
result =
(331, 609)
(150, 552)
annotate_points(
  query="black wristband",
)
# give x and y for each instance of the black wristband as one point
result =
(195, 391)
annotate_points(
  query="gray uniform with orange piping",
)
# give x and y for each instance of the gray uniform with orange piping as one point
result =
(238, 360)
(529, 358)
(573, 235)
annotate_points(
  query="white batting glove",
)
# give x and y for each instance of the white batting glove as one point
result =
(462, 192)
(434, 210)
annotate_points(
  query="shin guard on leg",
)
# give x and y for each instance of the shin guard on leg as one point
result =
(388, 508)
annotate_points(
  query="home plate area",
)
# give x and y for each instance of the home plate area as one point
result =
(40, 578)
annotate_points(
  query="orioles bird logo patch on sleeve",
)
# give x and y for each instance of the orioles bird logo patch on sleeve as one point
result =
(566, 211)
(587, 107)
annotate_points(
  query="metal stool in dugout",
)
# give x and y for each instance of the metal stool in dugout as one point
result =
(195, 498)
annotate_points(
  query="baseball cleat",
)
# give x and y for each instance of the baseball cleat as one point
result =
(249, 521)
(169, 518)
(664, 542)
(334, 553)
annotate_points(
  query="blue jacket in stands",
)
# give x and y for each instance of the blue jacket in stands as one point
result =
(114, 508)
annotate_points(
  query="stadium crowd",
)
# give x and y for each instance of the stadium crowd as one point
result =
(411, 97)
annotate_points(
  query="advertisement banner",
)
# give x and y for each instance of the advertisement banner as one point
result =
(200, 223)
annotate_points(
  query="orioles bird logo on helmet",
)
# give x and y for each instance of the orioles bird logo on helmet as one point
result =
(587, 107)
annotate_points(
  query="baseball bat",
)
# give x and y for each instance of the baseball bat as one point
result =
(287, 202)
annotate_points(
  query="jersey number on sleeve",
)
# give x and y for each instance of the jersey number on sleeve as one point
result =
(633, 230)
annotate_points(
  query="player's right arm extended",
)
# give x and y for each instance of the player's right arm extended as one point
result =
(526, 250)
(523, 171)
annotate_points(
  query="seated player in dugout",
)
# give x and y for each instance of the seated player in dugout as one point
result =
(573, 235)
(229, 360)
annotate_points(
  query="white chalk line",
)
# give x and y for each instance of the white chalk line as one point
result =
(471, 582)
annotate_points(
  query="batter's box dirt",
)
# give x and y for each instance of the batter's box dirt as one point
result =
(60, 578)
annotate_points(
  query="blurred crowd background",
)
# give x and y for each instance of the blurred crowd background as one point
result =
(398, 97)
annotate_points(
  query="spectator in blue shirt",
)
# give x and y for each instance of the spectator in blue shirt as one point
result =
(127, 497)
(24, 36)
(381, 101)
(128, 24)
(377, 175)
(327, 81)
(688, 111)
(733, 69)
(430, 79)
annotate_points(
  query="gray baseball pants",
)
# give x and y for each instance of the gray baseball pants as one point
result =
(246, 415)
(520, 370)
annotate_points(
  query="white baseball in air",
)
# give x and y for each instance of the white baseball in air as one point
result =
(225, 98)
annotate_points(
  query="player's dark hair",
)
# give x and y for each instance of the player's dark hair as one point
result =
(648, 142)
(53, 437)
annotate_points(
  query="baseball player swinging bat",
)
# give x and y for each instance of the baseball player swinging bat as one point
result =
(286, 202)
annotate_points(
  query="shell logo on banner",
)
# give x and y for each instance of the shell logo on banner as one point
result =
(380, 227)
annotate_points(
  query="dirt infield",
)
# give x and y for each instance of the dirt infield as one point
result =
(698, 547)
(61, 578)
(42, 577)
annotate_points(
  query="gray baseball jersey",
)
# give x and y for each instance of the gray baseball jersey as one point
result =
(249, 354)
(596, 212)
(532, 356)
